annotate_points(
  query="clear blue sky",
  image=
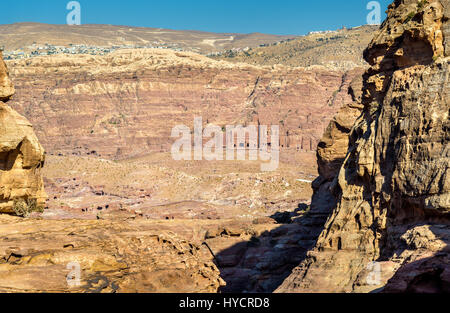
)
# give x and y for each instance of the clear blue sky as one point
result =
(290, 17)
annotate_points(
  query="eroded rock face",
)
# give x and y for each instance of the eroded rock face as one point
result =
(333, 147)
(392, 189)
(21, 155)
(6, 87)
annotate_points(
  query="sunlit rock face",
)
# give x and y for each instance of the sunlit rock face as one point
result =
(6, 87)
(21, 155)
(390, 196)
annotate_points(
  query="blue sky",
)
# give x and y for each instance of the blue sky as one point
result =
(290, 17)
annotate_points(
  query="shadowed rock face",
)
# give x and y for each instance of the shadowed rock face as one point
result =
(21, 155)
(391, 191)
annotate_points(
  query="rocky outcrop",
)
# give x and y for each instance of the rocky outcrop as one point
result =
(390, 222)
(21, 157)
(333, 147)
(101, 256)
(6, 87)
(126, 103)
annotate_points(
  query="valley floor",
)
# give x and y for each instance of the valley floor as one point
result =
(152, 224)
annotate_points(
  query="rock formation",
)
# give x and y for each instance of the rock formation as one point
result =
(21, 156)
(6, 87)
(390, 204)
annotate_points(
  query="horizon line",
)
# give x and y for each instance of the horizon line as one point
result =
(191, 30)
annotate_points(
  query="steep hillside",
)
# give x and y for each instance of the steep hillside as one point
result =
(337, 49)
(38, 254)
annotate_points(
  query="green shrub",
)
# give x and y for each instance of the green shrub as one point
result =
(410, 17)
(422, 4)
(24, 207)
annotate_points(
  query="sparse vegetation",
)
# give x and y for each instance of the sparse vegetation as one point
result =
(336, 48)
(422, 4)
(24, 207)
(410, 17)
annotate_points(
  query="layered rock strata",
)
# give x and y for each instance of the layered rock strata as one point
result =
(126, 103)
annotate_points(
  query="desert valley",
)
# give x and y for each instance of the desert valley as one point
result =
(88, 180)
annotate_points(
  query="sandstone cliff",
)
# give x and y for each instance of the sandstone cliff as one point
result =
(126, 103)
(6, 87)
(21, 157)
(390, 190)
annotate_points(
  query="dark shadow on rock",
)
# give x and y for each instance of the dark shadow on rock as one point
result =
(427, 274)
(288, 217)
(263, 263)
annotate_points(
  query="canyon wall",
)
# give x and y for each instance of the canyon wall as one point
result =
(126, 103)
(389, 192)
(21, 156)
